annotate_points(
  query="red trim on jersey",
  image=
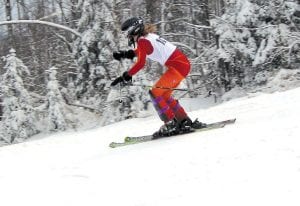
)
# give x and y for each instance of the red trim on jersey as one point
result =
(180, 62)
(144, 48)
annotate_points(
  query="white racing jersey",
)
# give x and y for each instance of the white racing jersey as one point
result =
(162, 49)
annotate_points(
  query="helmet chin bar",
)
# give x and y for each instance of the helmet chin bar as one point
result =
(131, 41)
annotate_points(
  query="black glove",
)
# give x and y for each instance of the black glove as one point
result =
(130, 54)
(123, 80)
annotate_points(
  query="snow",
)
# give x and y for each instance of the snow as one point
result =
(284, 80)
(256, 161)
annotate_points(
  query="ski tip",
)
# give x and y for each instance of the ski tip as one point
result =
(230, 120)
(112, 145)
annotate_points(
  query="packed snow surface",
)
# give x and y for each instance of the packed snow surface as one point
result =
(256, 161)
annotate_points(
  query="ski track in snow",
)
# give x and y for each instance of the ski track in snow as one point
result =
(256, 161)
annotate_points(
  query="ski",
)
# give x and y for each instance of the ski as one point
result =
(146, 138)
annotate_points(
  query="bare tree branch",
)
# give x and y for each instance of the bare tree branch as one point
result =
(42, 23)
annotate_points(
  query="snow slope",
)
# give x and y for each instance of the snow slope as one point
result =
(254, 162)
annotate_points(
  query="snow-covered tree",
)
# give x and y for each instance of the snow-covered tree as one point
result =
(18, 114)
(252, 37)
(56, 104)
(236, 45)
(278, 34)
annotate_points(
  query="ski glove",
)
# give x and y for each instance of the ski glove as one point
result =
(122, 80)
(130, 54)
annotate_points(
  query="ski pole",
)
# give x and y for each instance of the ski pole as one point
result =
(120, 88)
(120, 94)
(158, 87)
(185, 90)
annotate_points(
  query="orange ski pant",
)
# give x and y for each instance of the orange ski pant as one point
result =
(167, 107)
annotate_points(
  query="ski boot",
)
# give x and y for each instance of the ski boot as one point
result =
(198, 125)
(168, 129)
(185, 126)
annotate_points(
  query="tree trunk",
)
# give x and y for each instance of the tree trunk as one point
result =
(219, 7)
(75, 14)
(9, 18)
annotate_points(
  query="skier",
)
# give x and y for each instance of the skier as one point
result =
(151, 46)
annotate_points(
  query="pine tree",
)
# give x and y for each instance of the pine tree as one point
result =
(236, 45)
(278, 33)
(254, 37)
(18, 114)
(101, 23)
(56, 104)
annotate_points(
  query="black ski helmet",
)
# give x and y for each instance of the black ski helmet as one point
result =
(134, 27)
